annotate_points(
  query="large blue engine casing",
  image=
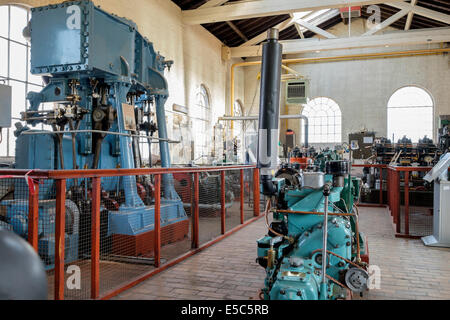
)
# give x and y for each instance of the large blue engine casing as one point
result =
(94, 61)
(17, 216)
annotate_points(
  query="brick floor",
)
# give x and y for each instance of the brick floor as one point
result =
(409, 270)
(227, 270)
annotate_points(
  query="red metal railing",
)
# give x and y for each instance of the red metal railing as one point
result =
(61, 177)
(394, 194)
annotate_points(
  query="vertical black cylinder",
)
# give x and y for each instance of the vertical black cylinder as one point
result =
(269, 111)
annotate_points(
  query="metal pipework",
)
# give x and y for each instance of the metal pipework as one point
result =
(363, 56)
(269, 111)
(324, 286)
(99, 131)
(283, 117)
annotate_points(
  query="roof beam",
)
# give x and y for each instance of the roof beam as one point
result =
(431, 14)
(213, 3)
(236, 29)
(410, 16)
(263, 36)
(315, 29)
(297, 27)
(299, 31)
(387, 22)
(262, 8)
(412, 37)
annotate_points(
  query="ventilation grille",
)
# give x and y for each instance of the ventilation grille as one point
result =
(297, 92)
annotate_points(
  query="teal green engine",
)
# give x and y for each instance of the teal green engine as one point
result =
(291, 253)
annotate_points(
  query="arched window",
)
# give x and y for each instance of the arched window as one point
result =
(410, 113)
(201, 123)
(238, 109)
(15, 67)
(325, 121)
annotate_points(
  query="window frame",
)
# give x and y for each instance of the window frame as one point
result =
(337, 132)
(10, 81)
(433, 111)
(204, 119)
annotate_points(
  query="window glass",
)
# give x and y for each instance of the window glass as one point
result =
(19, 20)
(4, 21)
(201, 125)
(325, 121)
(15, 54)
(3, 58)
(407, 107)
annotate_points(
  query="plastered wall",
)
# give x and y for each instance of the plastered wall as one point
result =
(362, 88)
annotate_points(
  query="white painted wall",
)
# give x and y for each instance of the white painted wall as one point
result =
(362, 88)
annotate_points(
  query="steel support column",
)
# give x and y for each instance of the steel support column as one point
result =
(222, 201)
(157, 225)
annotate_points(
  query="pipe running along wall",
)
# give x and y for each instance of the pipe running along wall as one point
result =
(283, 117)
(362, 56)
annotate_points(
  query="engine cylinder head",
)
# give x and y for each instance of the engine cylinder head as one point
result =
(337, 168)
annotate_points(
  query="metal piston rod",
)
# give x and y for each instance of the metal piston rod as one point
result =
(103, 132)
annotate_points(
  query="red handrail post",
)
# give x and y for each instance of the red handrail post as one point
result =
(33, 215)
(157, 225)
(60, 223)
(256, 193)
(381, 186)
(196, 215)
(222, 201)
(388, 186)
(95, 238)
(407, 203)
(242, 196)
(397, 201)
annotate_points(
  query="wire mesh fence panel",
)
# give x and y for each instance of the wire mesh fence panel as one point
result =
(177, 196)
(77, 239)
(126, 230)
(210, 206)
(233, 199)
(14, 212)
(420, 221)
(248, 195)
(110, 225)
(10, 207)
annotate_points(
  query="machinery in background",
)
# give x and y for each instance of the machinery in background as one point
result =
(313, 249)
(106, 81)
(364, 141)
(405, 153)
(209, 191)
(303, 157)
(444, 134)
(327, 154)
(441, 217)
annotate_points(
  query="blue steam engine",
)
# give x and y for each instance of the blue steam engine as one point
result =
(103, 79)
(314, 249)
